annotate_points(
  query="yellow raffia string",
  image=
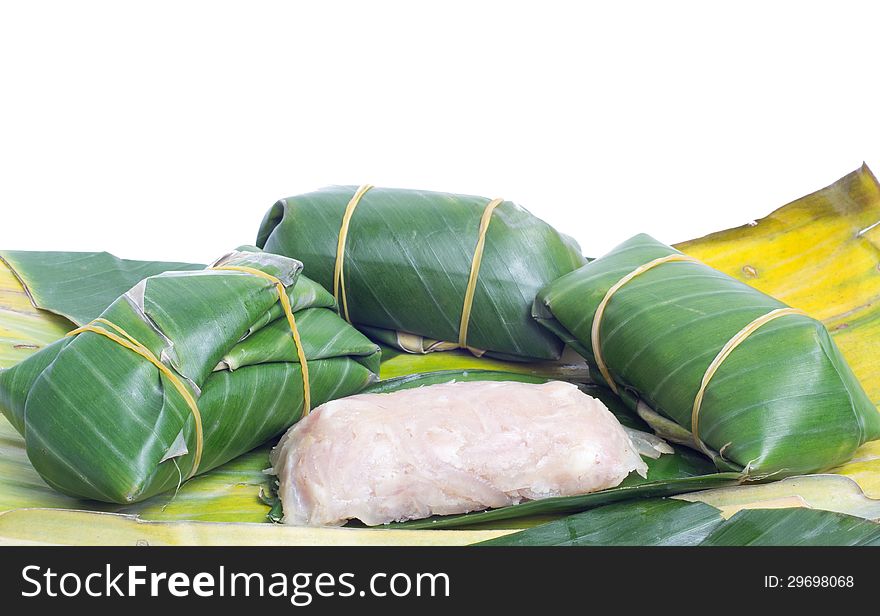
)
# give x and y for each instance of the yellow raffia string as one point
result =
(291, 321)
(600, 311)
(475, 272)
(339, 267)
(725, 351)
(129, 342)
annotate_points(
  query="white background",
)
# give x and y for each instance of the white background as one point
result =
(166, 131)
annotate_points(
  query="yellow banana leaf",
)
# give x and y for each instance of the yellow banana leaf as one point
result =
(820, 253)
(827, 492)
(24, 329)
(62, 526)
(568, 367)
(864, 469)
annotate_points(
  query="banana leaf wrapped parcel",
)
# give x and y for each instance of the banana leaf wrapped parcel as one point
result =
(427, 271)
(183, 372)
(709, 361)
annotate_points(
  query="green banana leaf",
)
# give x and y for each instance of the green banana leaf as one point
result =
(407, 261)
(794, 527)
(80, 285)
(670, 522)
(783, 403)
(101, 422)
(659, 521)
(667, 476)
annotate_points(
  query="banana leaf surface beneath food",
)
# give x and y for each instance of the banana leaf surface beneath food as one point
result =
(819, 253)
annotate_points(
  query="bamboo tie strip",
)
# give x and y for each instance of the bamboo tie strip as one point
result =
(475, 271)
(470, 290)
(339, 267)
(124, 339)
(725, 351)
(291, 321)
(600, 310)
